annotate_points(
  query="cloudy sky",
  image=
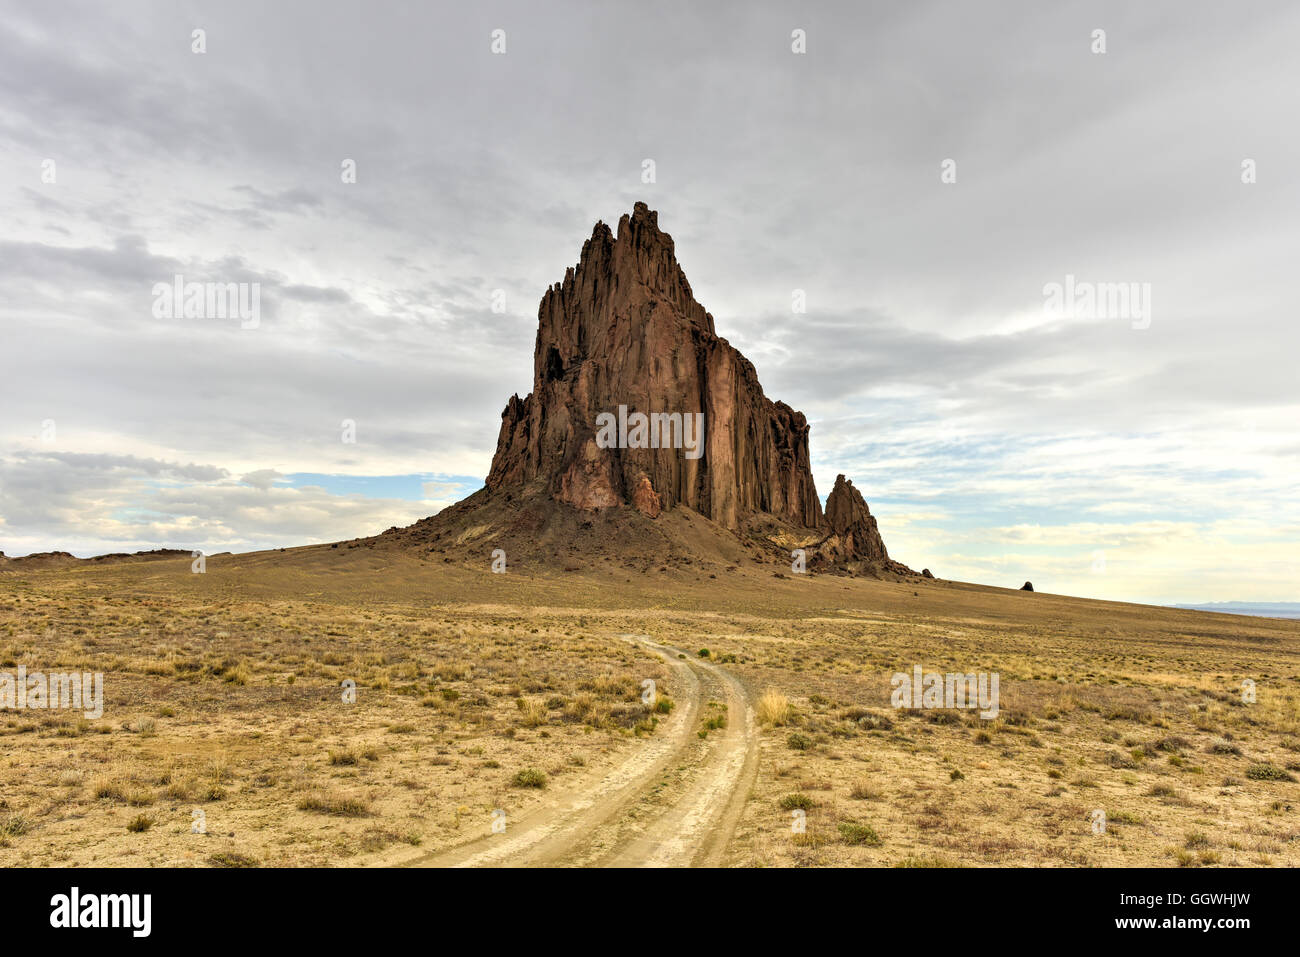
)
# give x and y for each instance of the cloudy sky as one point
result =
(1152, 458)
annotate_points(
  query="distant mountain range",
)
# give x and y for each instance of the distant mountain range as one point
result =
(1263, 609)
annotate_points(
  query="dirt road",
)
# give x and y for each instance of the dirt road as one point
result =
(673, 803)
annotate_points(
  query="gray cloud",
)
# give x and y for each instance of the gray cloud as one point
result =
(924, 361)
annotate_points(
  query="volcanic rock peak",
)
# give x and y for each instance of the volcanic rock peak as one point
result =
(624, 329)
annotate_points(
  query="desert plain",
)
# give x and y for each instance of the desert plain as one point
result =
(377, 706)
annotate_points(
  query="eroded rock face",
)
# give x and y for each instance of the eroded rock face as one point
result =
(623, 328)
(853, 531)
(646, 499)
(623, 336)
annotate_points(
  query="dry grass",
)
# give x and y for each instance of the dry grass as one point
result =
(224, 695)
(774, 709)
(235, 708)
(1138, 715)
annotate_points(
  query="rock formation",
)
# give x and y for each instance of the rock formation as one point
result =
(853, 532)
(623, 329)
(622, 339)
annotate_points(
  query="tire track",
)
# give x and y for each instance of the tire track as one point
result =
(675, 802)
(696, 829)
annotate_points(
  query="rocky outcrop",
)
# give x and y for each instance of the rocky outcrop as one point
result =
(645, 499)
(624, 330)
(637, 401)
(853, 531)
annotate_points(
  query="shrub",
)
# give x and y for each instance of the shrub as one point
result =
(796, 802)
(925, 862)
(860, 835)
(107, 789)
(231, 859)
(1267, 772)
(530, 778)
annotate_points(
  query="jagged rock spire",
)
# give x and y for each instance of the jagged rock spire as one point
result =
(852, 523)
(623, 334)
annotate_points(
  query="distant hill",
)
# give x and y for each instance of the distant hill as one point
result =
(1261, 609)
(60, 559)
